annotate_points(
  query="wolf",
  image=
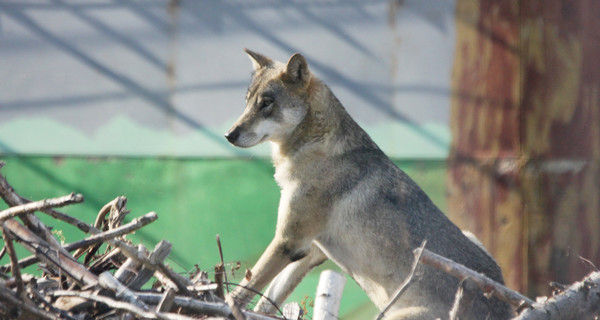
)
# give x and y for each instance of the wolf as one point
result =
(343, 199)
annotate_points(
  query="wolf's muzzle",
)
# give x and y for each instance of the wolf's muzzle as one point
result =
(233, 135)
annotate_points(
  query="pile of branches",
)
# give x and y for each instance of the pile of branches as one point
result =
(103, 276)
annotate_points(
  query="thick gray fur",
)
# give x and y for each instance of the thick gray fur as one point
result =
(343, 199)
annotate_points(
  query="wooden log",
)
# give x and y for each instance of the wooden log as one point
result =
(329, 295)
(523, 165)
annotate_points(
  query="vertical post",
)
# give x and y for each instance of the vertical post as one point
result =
(483, 166)
(329, 295)
(524, 170)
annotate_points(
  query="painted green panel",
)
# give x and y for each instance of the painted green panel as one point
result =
(195, 199)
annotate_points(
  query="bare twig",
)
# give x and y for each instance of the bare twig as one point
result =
(132, 226)
(484, 283)
(44, 252)
(40, 205)
(115, 207)
(16, 272)
(135, 224)
(202, 307)
(188, 303)
(407, 281)
(219, 272)
(181, 282)
(12, 199)
(222, 261)
(463, 300)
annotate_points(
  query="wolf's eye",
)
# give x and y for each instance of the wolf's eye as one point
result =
(266, 102)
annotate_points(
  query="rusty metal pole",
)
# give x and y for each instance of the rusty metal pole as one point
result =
(524, 167)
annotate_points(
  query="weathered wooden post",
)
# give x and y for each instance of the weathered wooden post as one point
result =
(524, 170)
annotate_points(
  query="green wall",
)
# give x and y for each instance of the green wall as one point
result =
(195, 199)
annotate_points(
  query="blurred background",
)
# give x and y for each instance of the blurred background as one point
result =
(493, 107)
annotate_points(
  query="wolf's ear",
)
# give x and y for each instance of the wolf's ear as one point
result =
(258, 60)
(297, 70)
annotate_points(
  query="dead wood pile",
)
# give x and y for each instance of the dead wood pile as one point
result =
(103, 276)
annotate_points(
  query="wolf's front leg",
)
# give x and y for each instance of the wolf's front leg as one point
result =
(288, 279)
(279, 254)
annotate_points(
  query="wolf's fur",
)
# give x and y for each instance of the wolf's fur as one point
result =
(343, 199)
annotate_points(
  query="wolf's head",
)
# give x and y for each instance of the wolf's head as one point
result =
(276, 101)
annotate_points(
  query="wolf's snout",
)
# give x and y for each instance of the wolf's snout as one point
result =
(232, 135)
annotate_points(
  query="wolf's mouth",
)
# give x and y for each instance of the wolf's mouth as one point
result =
(263, 138)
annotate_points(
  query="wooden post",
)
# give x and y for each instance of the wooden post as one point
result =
(524, 167)
(329, 295)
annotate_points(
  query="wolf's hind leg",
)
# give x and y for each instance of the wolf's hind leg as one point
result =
(287, 280)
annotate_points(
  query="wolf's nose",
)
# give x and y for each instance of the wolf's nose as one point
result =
(232, 135)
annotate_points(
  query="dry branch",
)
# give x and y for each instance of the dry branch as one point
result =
(166, 302)
(12, 199)
(484, 283)
(40, 205)
(463, 300)
(202, 307)
(60, 261)
(409, 279)
(160, 253)
(120, 305)
(135, 224)
(108, 281)
(93, 290)
(580, 301)
(8, 244)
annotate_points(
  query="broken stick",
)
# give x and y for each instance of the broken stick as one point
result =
(581, 300)
(484, 283)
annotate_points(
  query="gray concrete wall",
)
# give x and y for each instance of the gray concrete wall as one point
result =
(167, 78)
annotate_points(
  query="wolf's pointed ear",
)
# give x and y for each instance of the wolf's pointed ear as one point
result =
(258, 60)
(297, 70)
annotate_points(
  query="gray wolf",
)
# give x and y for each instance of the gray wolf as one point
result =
(343, 199)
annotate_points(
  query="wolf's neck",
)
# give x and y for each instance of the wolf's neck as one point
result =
(326, 131)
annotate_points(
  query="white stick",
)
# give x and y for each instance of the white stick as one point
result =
(329, 295)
